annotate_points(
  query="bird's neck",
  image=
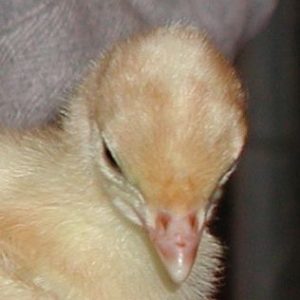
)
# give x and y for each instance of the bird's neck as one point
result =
(82, 248)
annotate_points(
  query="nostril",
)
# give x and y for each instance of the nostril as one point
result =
(163, 221)
(193, 222)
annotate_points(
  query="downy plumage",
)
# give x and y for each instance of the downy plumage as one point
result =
(113, 204)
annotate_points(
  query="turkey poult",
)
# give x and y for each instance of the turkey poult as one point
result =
(114, 203)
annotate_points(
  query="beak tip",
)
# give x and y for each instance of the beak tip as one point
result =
(177, 273)
(178, 265)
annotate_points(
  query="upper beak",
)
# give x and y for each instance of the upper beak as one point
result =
(176, 239)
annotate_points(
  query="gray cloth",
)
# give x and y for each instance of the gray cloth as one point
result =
(46, 44)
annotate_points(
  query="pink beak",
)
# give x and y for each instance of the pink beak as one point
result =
(176, 239)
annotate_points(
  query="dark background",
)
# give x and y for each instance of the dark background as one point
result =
(260, 217)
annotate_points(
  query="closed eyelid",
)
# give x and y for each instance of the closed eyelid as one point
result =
(110, 156)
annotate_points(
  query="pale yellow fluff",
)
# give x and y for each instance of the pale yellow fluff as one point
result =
(172, 110)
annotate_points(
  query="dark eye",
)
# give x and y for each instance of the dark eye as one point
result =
(110, 158)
